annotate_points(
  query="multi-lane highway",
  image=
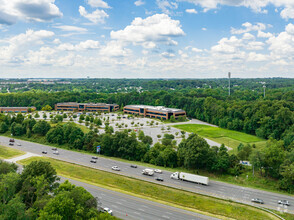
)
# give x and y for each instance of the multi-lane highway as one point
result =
(130, 207)
(215, 188)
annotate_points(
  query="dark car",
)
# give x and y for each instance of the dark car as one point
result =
(133, 166)
(159, 179)
(93, 161)
(256, 200)
(44, 152)
(11, 140)
(284, 202)
(54, 148)
(94, 157)
(11, 143)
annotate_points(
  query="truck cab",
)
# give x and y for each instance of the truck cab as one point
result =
(175, 175)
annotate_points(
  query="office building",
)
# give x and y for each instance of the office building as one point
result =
(92, 107)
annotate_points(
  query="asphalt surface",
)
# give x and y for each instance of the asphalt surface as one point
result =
(215, 188)
(130, 207)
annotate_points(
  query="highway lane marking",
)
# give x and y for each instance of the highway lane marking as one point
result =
(149, 202)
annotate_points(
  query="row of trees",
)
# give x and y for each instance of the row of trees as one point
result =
(262, 117)
(35, 194)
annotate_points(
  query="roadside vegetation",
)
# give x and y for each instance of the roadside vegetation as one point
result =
(223, 136)
(8, 153)
(157, 192)
(36, 194)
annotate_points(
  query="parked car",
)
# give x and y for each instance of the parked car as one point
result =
(56, 152)
(11, 143)
(159, 179)
(108, 210)
(11, 140)
(18, 144)
(44, 152)
(54, 148)
(284, 202)
(116, 168)
(257, 200)
(93, 161)
(133, 166)
(157, 171)
(94, 157)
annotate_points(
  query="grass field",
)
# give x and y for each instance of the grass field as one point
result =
(84, 128)
(223, 136)
(7, 153)
(204, 204)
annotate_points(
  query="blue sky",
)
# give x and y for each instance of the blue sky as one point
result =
(146, 38)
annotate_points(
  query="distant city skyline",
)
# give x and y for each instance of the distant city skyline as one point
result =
(146, 39)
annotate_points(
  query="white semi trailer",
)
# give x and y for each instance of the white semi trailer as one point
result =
(190, 177)
(148, 172)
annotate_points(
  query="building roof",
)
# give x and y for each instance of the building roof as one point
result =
(156, 108)
(92, 104)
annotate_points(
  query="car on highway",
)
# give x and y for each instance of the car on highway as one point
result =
(157, 171)
(56, 152)
(107, 210)
(133, 166)
(94, 157)
(11, 143)
(257, 200)
(44, 152)
(116, 168)
(93, 161)
(159, 179)
(11, 140)
(54, 148)
(284, 202)
(18, 144)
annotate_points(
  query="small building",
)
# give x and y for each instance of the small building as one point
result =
(92, 107)
(17, 109)
(159, 112)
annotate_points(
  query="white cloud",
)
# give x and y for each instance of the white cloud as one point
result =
(191, 11)
(248, 27)
(255, 57)
(15, 48)
(115, 49)
(85, 45)
(139, 3)
(30, 10)
(248, 36)
(228, 46)
(257, 6)
(204, 29)
(196, 50)
(98, 4)
(167, 55)
(262, 34)
(165, 5)
(56, 41)
(98, 16)
(159, 28)
(71, 28)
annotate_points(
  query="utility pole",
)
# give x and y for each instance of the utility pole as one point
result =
(264, 86)
(229, 74)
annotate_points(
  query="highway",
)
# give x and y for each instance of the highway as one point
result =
(130, 207)
(215, 188)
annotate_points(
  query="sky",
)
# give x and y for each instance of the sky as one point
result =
(146, 38)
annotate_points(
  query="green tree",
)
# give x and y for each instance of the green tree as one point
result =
(47, 108)
(41, 128)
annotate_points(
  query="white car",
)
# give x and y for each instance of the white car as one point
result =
(157, 171)
(108, 210)
(56, 152)
(116, 168)
(18, 144)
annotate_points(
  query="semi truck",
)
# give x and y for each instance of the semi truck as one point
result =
(190, 177)
(148, 172)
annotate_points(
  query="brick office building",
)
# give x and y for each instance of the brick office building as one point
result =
(92, 107)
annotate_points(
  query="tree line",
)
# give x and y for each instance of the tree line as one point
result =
(36, 194)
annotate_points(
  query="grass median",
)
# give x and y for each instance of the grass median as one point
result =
(196, 202)
(8, 153)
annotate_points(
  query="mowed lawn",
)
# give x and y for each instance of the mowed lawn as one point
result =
(223, 136)
(192, 201)
(7, 153)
